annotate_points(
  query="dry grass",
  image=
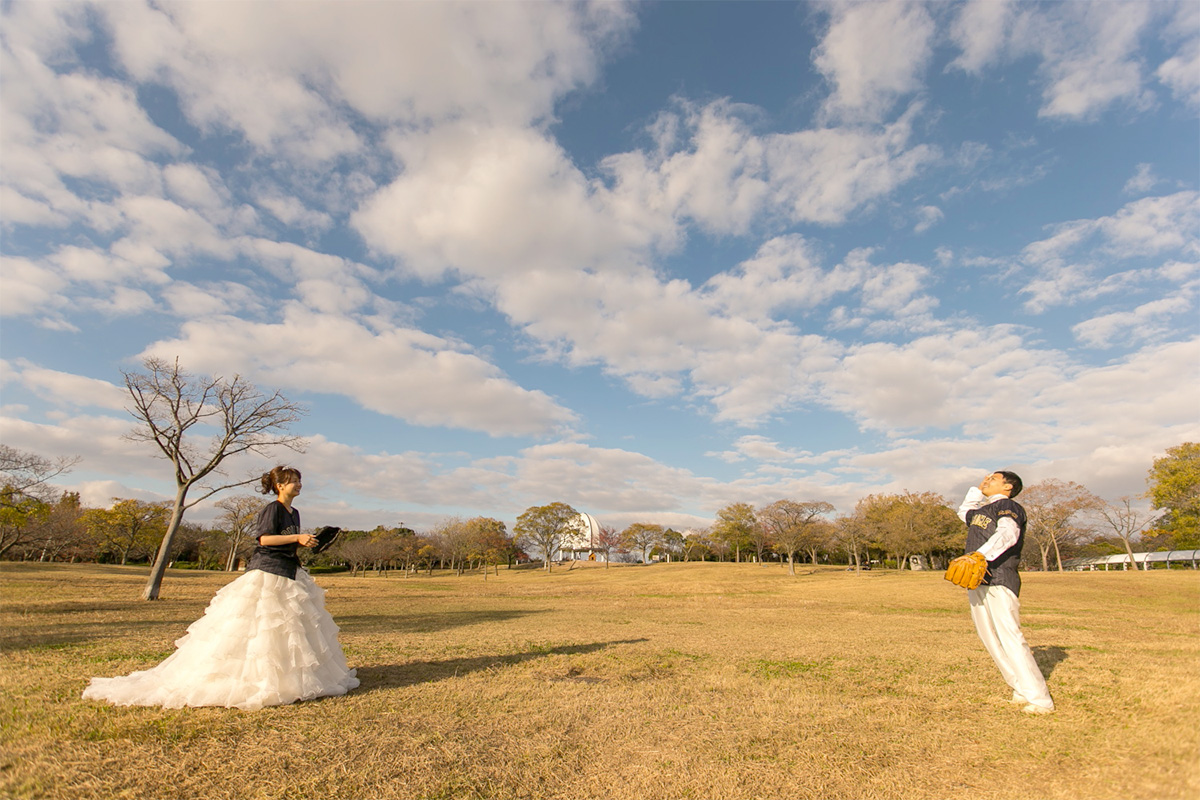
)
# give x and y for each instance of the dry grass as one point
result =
(707, 681)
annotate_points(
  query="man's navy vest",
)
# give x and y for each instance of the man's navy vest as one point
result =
(981, 524)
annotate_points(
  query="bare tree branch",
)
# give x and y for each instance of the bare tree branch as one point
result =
(173, 408)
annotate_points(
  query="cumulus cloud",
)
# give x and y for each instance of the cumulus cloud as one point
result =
(1069, 265)
(872, 54)
(1087, 53)
(402, 372)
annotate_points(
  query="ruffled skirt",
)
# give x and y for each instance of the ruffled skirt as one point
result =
(264, 640)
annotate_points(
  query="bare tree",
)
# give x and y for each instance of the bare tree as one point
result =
(1126, 522)
(1052, 508)
(793, 526)
(25, 475)
(175, 408)
(238, 521)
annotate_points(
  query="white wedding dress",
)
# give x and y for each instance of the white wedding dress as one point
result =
(264, 640)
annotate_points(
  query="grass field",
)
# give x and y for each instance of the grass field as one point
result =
(707, 681)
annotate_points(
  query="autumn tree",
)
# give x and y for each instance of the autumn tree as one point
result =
(852, 532)
(131, 528)
(59, 531)
(25, 493)
(489, 542)
(1054, 511)
(608, 541)
(910, 523)
(671, 543)
(543, 528)
(737, 527)
(1174, 487)
(793, 527)
(642, 536)
(697, 544)
(177, 412)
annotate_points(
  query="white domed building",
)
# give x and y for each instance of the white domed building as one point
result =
(579, 543)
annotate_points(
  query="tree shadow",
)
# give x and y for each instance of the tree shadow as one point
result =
(422, 622)
(393, 676)
(1048, 657)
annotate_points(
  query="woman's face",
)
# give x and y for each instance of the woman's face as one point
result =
(290, 489)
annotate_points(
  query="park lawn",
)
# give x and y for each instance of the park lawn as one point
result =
(709, 681)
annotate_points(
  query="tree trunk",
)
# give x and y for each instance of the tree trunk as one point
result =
(1057, 554)
(154, 584)
(791, 564)
(1129, 550)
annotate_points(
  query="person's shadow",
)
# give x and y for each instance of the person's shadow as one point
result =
(1048, 657)
(390, 676)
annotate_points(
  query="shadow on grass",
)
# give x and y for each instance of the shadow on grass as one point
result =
(1048, 657)
(54, 636)
(422, 622)
(392, 676)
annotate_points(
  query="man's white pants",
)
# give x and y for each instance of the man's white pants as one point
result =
(996, 612)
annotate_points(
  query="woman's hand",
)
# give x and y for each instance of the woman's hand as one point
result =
(306, 540)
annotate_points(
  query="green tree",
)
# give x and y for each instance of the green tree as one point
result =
(543, 528)
(737, 526)
(174, 410)
(1174, 487)
(25, 493)
(642, 536)
(130, 529)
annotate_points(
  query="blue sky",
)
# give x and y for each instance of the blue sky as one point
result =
(647, 259)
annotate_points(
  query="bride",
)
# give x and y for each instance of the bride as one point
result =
(264, 640)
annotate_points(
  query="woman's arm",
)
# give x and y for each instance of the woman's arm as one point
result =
(302, 539)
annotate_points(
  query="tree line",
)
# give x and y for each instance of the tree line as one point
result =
(1066, 520)
(172, 408)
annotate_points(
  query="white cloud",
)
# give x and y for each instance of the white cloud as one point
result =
(400, 372)
(64, 389)
(1150, 321)
(222, 298)
(29, 288)
(1066, 264)
(873, 54)
(275, 72)
(1181, 72)
(981, 30)
(1087, 52)
(1143, 180)
(927, 217)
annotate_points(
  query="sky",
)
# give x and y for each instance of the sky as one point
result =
(647, 259)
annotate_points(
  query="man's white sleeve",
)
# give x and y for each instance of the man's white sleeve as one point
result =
(973, 500)
(1006, 536)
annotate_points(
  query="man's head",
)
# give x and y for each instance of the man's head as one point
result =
(1002, 482)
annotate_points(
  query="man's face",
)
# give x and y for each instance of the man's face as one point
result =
(995, 484)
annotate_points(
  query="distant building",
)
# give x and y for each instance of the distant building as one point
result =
(580, 542)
